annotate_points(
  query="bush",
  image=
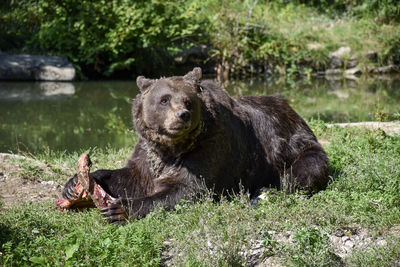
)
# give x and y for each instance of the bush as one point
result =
(127, 37)
(107, 36)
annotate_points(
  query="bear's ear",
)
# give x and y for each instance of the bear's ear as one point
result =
(194, 75)
(143, 83)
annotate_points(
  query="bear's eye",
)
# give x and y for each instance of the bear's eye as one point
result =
(164, 100)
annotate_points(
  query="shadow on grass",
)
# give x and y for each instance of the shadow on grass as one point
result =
(335, 173)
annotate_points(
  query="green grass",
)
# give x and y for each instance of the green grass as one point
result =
(364, 192)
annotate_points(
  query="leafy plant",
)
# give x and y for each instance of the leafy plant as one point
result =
(311, 248)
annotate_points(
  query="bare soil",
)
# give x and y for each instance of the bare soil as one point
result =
(18, 185)
(390, 128)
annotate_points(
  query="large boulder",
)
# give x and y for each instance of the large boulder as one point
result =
(39, 68)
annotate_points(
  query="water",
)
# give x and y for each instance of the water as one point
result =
(76, 116)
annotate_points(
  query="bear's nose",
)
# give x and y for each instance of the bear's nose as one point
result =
(184, 115)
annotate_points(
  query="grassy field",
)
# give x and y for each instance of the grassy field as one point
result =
(364, 195)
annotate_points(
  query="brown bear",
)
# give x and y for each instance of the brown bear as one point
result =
(193, 135)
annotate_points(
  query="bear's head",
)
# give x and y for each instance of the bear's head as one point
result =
(167, 112)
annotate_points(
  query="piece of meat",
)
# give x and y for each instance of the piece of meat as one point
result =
(87, 191)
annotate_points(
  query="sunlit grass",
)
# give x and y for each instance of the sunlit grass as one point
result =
(364, 192)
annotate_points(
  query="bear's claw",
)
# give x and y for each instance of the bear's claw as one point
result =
(115, 213)
(86, 191)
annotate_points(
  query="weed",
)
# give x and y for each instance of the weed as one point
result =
(310, 248)
(387, 254)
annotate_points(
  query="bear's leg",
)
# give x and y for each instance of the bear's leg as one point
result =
(309, 171)
(167, 193)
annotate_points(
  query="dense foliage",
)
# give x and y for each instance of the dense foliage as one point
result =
(106, 38)
(104, 35)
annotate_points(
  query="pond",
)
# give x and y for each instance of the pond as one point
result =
(75, 116)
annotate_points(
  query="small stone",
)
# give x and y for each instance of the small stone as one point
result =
(345, 238)
(50, 183)
(335, 239)
(349, 244)
(333, 72)
(381, 243)
(314, 46)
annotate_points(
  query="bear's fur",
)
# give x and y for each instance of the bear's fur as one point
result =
(193, 135)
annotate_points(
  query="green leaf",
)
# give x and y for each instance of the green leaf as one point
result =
(69, 252)
(38, 260)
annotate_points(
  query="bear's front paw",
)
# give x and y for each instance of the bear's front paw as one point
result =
(115, 213)
(74, 195)
(73, 190)
(71, 193)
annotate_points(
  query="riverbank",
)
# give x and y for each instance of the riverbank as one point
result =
(354, 222)
(117, 39)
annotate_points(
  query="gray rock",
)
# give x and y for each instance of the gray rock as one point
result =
(314, 46)
(352, 63)
(333, 72)
(335, 239)
(336, 62)
(371, 69)
(349, 244)
(342, 52)
(372, 56)
(338, 232)
(30, 67)
(388, 69)
(51, 183)
(353, 71)
(381, 243)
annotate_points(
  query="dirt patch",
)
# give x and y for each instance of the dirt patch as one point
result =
(20, 181)
(390, 128)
